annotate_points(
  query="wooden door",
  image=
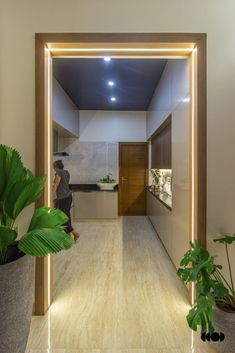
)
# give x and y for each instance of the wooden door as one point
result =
(133, 162)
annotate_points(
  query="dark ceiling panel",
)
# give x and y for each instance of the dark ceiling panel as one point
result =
(86, 82)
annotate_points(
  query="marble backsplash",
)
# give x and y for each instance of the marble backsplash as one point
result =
(89, 161)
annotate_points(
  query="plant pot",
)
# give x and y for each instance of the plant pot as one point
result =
(224, 322)
(106, 186)
(16, 302)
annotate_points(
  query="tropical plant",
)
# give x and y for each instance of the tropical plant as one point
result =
(107, 179)
(212, 288)
(18, 189)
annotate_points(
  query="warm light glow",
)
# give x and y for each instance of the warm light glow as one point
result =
(49, 164)
(193, 146)
(189, 50)
(165, 170)
(127, 56)
(49, 331)
(192, 341)
(193, 162)
(119, 51)
(186, 100)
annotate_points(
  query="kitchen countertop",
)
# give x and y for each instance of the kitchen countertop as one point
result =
(89, 188)
(162, 196)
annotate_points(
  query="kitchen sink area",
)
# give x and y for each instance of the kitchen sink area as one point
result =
(90, 202)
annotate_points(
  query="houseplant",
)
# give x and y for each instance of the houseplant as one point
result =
(214, 308)
(107, 183)
(18, 189)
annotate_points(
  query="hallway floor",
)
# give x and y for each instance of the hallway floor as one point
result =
(116, 291)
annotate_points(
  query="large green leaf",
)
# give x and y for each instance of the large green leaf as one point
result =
(7, 236)
(220, 291)
(202, 314)
(45, 217)
(11, 169)
(185, 274)
(23, 193)
(3, 155)
(41, 242)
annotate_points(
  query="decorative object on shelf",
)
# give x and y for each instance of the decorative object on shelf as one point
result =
(107, 183)
(162, 180)
(18, 189)
(167, 185)
(156, 176)
(214, 308)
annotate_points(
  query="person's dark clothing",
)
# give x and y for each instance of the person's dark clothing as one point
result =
(63, 190)
(65, 206)
(64, 197)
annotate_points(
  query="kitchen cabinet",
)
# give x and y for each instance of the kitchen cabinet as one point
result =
(95, 205)
(161, 146)
(161, 219)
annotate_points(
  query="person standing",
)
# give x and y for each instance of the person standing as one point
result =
(64, 195)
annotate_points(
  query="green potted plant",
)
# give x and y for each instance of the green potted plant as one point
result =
(107, 183)
(18, 189)
(214, 307)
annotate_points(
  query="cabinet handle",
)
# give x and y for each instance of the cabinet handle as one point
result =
(123, 179)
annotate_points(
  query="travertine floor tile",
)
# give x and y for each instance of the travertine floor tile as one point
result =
(116, 291)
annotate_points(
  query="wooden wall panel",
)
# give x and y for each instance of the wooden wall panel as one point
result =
(161, 146)
(125, 40)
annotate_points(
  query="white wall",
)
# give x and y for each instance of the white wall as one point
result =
(95, 152)
(170, 92)
(65, 112)
(21, 19)
(169, 98)
(112, 126)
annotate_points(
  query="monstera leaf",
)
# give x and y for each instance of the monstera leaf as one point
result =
(202, 314)
(41, 242)
(45, 217)
(226, 239)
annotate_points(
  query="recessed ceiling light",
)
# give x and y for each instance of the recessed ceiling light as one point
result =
(113, 99)
(111, 83)
(107, 58)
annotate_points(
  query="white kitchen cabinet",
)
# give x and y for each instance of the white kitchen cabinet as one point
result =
(95, 205)
(161, 219)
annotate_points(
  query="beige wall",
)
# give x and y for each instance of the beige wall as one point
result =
(21, 19)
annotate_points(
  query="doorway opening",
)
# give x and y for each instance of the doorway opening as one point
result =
(190, 46)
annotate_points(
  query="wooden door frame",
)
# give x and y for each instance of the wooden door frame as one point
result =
(119, 164)
(151, 41)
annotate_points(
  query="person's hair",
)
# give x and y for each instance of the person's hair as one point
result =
(58, 164)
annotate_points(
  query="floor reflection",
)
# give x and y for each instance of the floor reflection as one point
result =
(116, 291)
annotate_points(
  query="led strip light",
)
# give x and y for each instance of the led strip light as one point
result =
(123, 49)
(193, 160)
(48, 61)
(48, 164)
(51, 50)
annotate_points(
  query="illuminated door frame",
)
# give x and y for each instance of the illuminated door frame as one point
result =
(120, 45)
